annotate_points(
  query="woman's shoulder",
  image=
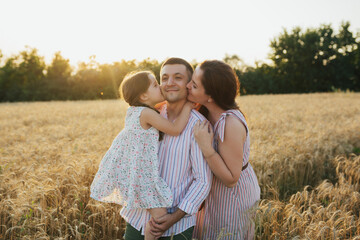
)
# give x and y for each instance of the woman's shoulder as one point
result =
(232, 122)
(235, 112)
(232, 116)
(233, 128)
(235, 121)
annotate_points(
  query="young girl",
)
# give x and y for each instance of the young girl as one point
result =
(128, 173)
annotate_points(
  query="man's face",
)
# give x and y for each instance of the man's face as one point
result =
(174, 78)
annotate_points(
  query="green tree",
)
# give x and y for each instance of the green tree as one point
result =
(111, 76)
(315, 59)
(258, 80)
(152, 65)
(10, 84)
(235, 62)
(84, 83)
(2, 89)
(58, 75)
(357, 63)
(294, 58)
(32, 70)
(344, 64)
(22, 77)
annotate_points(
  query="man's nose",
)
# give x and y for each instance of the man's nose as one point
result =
(170, 81)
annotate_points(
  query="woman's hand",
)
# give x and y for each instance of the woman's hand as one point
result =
(204, 135)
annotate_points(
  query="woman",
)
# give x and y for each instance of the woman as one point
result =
(229, 209)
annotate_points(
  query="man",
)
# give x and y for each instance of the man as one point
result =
(182, 165)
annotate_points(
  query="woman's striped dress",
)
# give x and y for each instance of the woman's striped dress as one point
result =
(229, 212)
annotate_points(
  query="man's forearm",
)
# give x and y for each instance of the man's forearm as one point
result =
(178, 214)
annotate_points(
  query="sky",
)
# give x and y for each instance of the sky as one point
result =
(132, 29)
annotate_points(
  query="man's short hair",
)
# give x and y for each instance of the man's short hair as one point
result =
(173, 60)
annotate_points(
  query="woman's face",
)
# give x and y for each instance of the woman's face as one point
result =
(196, 91)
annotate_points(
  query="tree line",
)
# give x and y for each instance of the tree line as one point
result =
(26, 77)
(301, 61)
(314, 60)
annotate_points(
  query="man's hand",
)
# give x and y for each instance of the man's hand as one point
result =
(161, 224)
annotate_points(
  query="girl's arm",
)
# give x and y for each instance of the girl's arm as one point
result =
(152, 118)
(227, 164)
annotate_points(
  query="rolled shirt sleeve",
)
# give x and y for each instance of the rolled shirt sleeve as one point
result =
(200, 187)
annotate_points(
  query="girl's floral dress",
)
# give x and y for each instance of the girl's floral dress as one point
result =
(129, 172)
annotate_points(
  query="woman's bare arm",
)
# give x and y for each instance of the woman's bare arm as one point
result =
(227, 164)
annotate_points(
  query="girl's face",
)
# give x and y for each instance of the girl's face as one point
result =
(154, 93)
(196, 89)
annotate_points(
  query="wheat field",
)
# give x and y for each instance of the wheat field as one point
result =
(304, 148)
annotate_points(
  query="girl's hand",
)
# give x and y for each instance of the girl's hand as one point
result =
(204, 135)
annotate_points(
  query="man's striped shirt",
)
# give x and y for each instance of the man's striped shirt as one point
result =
(184, 169)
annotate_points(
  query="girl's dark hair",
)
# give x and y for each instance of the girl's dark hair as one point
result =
(133, 85)
(221, 83)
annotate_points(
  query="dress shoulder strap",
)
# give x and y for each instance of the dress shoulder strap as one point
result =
(133, 114)
(219, 127)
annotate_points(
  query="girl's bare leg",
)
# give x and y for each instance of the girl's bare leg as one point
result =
(155, 213)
